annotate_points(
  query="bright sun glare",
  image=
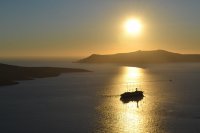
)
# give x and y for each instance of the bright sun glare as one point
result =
(133, 26)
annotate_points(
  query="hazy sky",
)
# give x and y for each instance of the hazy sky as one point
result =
(82, 27)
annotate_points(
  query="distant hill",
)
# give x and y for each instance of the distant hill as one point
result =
(10, 74)
(142, 58)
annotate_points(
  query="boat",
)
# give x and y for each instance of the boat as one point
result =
(132, 96)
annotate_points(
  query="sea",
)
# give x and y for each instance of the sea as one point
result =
(90, 102)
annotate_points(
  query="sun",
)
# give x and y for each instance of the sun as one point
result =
(133, 26)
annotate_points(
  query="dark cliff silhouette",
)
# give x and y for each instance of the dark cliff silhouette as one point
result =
(10, 74)
(142, 58)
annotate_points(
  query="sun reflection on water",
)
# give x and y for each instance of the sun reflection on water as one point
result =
(131, 77)
(119, 117)
(132, 73)
(132, 119)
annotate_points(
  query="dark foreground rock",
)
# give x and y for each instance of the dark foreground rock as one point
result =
(10, 75)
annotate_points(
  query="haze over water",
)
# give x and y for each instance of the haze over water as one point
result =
(90, 102)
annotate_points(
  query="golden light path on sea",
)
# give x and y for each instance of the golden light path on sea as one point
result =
(117, 117)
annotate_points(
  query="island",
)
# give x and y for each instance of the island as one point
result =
(139, 58)
(10, 74)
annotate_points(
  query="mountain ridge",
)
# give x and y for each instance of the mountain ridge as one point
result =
(142, 57)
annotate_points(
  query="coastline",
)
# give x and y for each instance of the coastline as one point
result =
(10, 74)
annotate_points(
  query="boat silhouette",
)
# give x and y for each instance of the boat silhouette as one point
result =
(135, 96)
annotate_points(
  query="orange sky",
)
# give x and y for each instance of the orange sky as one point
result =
(80, 28)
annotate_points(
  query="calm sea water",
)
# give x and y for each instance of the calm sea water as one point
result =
(90, 102)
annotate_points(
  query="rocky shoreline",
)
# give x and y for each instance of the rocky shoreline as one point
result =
(10, 74)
